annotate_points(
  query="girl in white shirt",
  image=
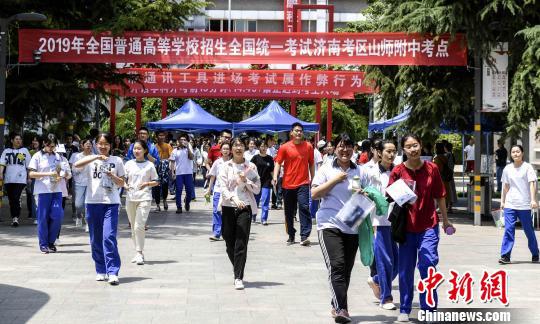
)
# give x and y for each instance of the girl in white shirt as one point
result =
(384, 247)
(141, 176)
(106, 174)
(239, 182)
(50, 172)
(517, 199)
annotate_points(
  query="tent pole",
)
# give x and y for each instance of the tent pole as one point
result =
(138, 109)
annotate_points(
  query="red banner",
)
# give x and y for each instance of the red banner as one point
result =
(288, 22)
(246, 83)
(82, 46)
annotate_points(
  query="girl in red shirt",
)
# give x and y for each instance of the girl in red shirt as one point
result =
(422, 229)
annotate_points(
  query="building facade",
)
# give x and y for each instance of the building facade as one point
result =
(268, 15)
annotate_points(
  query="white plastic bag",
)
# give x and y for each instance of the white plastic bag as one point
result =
(498, 217)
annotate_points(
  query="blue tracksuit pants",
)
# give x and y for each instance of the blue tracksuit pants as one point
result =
(421, 247)
(510, 218)
(216, 215)
(184, 180)
(49, 216)
(102, 220)
(264, 199)
(386, 261)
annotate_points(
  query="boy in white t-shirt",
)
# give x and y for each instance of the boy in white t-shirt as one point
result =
(182, 167)
(15, 162)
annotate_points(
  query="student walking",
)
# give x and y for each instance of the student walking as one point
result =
(106, 175)
(420, 248)
(162, 190)
(384, 247)
(50, 172)
(80, 182)
(141, 176)
(338, 242)
(182, 167)
(265, 167)
(296, 156)
(518, 199)
(14, 161)
(239, 182)
(214, 186)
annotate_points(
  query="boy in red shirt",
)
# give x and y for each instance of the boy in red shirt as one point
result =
(296, 156)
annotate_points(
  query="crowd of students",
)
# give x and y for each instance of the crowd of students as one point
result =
(244, 175)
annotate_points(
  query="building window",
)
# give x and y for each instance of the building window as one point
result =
(245, 25)
(219, 25)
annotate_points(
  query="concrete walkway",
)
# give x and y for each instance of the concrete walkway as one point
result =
(188, 279)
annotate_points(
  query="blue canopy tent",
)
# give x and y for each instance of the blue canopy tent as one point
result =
(489, 124)
(272, 119)
(190, 118)
(381, 125)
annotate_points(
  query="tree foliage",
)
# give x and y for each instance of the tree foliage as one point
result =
(445, 94)
(35, 95)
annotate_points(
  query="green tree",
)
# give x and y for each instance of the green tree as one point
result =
(39, 94)
(445, 94)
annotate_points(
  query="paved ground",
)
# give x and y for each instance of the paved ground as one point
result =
(188, 279)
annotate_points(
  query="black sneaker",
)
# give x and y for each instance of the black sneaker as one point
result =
(504, 260)
(342, 316)
(52, 248)
(290, 241)
(179, 210)
(535, 259)
(165, 205)
(158, 208)
(274, 207)
(187, 206)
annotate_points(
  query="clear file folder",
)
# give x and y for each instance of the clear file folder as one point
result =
(355, 210)
(402, 192)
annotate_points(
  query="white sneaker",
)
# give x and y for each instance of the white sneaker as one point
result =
(402, 317)
(388, 306)
(86, 229)
(78, 222)
(57, 242)
(238, 284)
(113, 280)
(15, 222)
(101, 277)
(35, 221)
(139, 259)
